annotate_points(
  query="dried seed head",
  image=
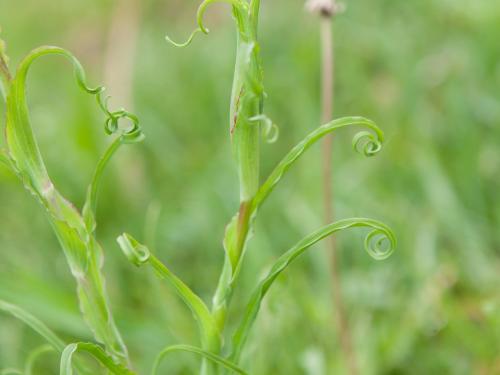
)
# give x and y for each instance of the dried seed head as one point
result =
(325, 8)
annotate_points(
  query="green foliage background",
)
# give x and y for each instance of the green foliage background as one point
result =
(427, 71)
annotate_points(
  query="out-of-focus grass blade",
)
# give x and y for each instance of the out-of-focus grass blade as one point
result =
(366, 142)
(11, 371)
(95, 351)
(33, 323)
(4, 159)
(374, 245)
(39, 327)
(203, 353)
(34, 356)
(139, 254)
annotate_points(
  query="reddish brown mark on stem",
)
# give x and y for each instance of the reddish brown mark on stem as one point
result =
(236, 109)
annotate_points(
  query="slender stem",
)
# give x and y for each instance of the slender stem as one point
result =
(327, 103)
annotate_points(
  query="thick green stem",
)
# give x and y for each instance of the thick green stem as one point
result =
(245, 133)
(245, 108)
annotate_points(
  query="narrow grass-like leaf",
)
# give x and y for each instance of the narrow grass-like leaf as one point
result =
(4, 158)
(34, 324)
(139, 254)
(203, 353)
(239, 7)
(11, 371)
(254, 13)
(90, 206)
(74, 232)
(34, 356)
(372, 144)
(39, 327)
(374, 245)
(22, 146)
(187, 42)
(66, 367)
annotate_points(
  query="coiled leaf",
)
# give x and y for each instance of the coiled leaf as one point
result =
(380, 233)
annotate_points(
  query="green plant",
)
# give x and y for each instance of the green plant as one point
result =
(76, 231)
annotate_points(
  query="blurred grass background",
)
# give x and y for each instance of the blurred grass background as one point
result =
(427, 71)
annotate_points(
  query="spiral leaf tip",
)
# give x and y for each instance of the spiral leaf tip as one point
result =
(270, 130)
(380, 243)
(136, 253)
(367, 143)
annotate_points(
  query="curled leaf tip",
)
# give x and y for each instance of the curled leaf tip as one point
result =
(242, 6)
(270, 130)
(380, 243)
(129, 134)
(188, 41)
(366, 143)
(136, 253)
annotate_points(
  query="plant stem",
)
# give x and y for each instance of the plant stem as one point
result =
(327, 103)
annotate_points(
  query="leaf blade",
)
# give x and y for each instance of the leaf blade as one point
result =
(296, 152)
(139, 254)
(203, 353)
(34, 323)
(253, 306)
(98, 353)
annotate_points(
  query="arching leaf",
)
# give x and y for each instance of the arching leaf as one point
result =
(374, 245)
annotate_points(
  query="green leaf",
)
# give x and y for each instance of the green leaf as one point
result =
(366, 142)
(34, 324)
(11, 371)
(187, 42)
(239, 7)
(34, 356)
(254, 13)
(374, 245)
(66, 367)
(203, 353)
(74, 232)
(230, 242)
(54, 341)
(22, 146)
(139, 254)
(4, 159)
(90, 206)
